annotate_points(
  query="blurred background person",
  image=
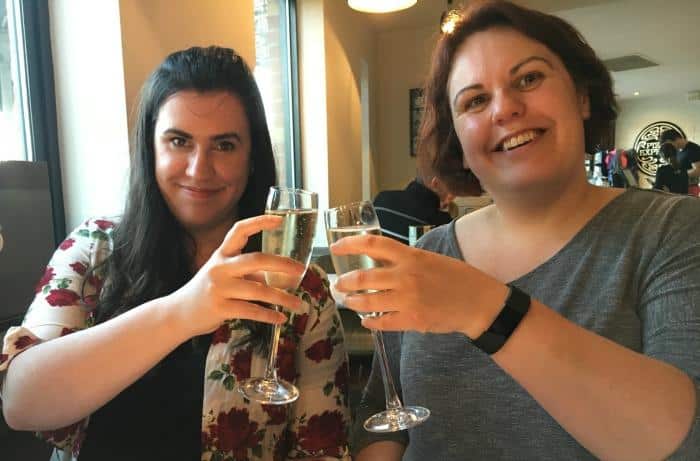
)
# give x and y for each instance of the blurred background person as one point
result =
(688, 156)
(426, 201)
(671, 177)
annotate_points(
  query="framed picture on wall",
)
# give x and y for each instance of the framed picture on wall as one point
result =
(416, 104)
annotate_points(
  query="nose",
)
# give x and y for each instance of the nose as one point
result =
(507, 106)
(199, 164)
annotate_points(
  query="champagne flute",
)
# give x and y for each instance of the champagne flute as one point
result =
(293, 239)
(359, 218)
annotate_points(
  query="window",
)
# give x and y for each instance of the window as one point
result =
(276, 75)
(27, 98)
(13, 88)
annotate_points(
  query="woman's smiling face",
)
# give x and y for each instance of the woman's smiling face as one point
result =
(516, 111)
(202, 152)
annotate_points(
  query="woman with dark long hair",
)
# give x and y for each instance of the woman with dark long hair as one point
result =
(563, 321)
(142, 325)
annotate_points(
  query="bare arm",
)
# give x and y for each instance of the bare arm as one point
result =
(57, 383)
(628, 406)
(63, 380)
(617, 403)
(385, 450)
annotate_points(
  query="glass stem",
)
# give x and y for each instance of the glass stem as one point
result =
(270, 370)
(392, 398)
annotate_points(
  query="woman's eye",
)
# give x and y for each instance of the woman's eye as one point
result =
(225, 146)
(530, 80)
(476, 102)
(178, 141)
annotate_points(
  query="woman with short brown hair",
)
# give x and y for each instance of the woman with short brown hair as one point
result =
(561, 322)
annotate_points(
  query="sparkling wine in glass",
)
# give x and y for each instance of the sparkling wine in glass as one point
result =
(359, 218)
(293, 239)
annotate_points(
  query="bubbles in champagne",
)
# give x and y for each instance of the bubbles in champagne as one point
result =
(293, 239)
(347, 263)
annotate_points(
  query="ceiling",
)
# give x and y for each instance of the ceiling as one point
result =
(666, 32)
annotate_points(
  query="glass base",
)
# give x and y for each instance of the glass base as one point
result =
(397, 419)
(269, 391)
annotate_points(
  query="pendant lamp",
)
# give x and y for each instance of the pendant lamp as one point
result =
(380, 6)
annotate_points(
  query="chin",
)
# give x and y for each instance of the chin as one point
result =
(199, 223)
(524, 182)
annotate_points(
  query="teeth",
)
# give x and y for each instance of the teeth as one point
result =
(519, 140)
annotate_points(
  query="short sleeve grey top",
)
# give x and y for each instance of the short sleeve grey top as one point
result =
(631, 274)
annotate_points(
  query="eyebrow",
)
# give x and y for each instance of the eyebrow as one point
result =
(216, 137)
(512, 71)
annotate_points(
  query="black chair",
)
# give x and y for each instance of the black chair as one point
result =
(28, 242)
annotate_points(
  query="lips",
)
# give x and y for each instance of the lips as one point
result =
(521, 138)
(200, 192)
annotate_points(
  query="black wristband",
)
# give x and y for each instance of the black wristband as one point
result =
(514, 309)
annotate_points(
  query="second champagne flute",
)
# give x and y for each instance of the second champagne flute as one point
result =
(293, 239)
(359, 218)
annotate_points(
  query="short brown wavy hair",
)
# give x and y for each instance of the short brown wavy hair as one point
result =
(439, 148)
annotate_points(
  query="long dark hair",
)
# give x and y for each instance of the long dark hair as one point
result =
(153, 254)
(439, 146)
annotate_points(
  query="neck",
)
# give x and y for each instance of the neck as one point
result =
(207, 240)
(561, 209)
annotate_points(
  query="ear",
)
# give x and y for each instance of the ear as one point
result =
(584, 104)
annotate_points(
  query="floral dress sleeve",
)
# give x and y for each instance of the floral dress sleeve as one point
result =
(63, 303)
(320, 418)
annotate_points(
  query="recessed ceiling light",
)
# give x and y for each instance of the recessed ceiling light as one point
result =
(636, 93)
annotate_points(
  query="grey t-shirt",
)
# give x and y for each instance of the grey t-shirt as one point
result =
(632, 274)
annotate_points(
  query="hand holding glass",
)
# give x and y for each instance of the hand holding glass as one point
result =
(359, 218)
(293, 239)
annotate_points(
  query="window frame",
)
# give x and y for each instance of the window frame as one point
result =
(293, 69)
(41, 95)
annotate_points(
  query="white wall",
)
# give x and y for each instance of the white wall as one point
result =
(90, 106)
(635, 114)
(312, 102)
(350, 42)
(153, 29)
(336, 52)
(403, 59)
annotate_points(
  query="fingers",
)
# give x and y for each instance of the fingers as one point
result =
(253, 263)
(238, 236)
(250, 311)
(256, 277)
(370, 302)
(367, 279)
(391, 321)
(246, 290)
(374, 246)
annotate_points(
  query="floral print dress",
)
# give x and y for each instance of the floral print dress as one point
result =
(311, 355)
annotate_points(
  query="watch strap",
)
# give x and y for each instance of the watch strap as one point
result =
(514, 309)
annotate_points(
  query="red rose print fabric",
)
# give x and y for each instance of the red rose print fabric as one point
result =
(311, 354)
